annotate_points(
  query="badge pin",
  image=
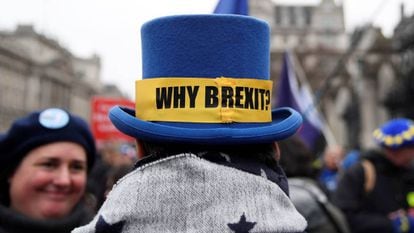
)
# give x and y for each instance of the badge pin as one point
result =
(54, 118)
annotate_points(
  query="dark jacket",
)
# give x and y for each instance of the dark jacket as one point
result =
(313, 204)
(13, 222)
(368, 211)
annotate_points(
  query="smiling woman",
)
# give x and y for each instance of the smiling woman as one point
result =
(50, 181)
(45, 157)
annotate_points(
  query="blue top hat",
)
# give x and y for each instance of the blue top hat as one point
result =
(205, 80)
(395, 134)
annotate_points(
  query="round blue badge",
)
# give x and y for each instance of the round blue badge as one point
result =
(53, 118)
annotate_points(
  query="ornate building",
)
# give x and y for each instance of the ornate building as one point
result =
(399, 99)
(351, 74)
(354, 99)
(303, 27)
(37, 72)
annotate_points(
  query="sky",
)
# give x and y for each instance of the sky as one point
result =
(111, 28)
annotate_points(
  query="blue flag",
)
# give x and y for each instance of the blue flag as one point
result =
(290, 94)
(239, 7)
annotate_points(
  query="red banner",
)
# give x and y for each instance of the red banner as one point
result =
(102, 128)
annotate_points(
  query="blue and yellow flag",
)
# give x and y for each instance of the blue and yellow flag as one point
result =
(238, 7)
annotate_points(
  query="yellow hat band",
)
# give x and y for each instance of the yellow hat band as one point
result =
(204, 100)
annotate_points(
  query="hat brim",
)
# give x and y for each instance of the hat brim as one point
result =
(285, 122)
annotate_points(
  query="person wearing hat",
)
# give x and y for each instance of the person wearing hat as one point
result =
(45, 157)
(377, 193)
(206, 131)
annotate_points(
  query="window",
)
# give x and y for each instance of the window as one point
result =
(308, 15)
(292, 16)
(278, 15)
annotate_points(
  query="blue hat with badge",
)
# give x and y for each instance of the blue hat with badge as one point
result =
(395, 134)
(205, 80)
(43, 127)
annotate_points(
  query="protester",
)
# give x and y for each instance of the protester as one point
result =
(45, 157)
(205, 128)
(114, 174)
(97, 181)
(117, 154)
(113, 159)
(322, 216)
(376, 194)
(332, 159)
(351, 157)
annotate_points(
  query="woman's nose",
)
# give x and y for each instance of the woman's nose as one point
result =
(62, 177)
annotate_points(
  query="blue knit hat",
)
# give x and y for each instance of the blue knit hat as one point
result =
(205, 80)
(395, 134)
(43, 127)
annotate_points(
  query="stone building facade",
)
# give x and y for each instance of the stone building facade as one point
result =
(354, 99)
(350, 73)
(303, 27)
(399, 100)
(37, 72)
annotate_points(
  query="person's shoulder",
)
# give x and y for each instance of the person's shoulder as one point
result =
(305, 190)
(305, 183)
(354, 172)
(371, 154)
(314, 205)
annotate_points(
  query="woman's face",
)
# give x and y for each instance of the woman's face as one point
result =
(49, 181)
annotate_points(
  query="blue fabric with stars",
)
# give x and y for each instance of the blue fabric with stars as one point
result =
(210, 192)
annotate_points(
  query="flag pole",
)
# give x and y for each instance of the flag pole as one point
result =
(326, 130)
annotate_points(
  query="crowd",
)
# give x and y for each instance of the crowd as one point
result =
(212, 156)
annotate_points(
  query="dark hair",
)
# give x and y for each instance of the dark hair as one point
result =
(262, 152)
(296, 159)
(4, 182)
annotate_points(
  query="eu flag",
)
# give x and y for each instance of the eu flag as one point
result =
(290, 94)
(239, 7)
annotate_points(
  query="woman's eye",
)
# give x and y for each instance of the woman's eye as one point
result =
(48, 164)
(78, 167)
